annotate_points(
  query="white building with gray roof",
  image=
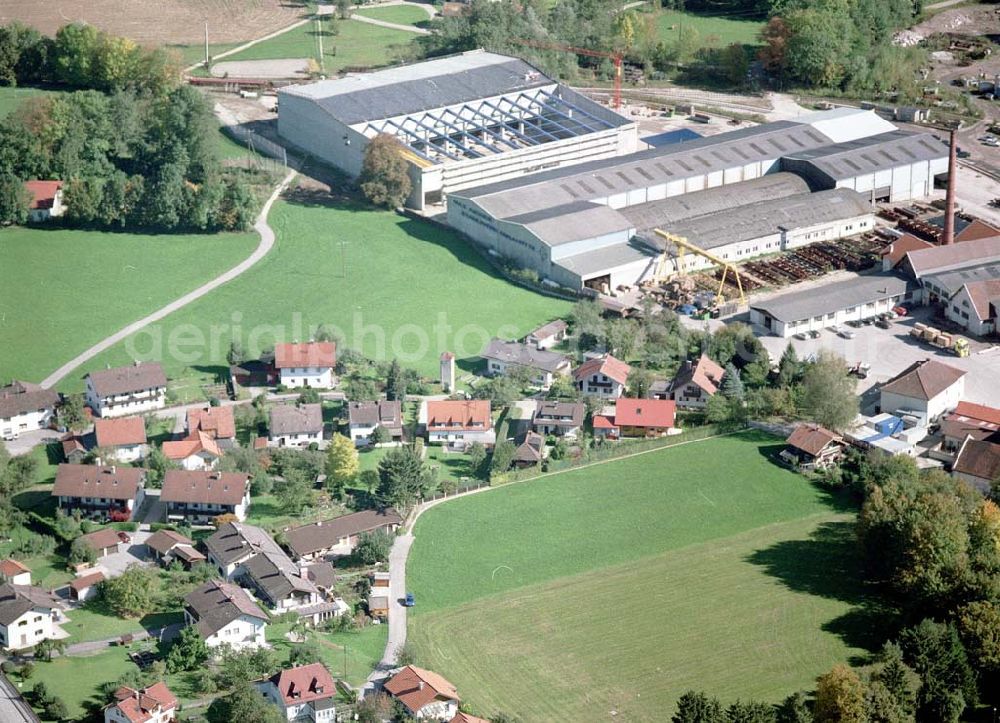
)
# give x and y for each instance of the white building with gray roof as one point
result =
(464, 120)
(747, 192)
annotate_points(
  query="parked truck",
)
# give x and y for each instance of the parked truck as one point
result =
(942, 340)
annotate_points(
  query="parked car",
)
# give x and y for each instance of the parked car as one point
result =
(901, 310)
(409, 601)
(687, 309)
(883, 324)
(802, 335)
(868, 320)
(855, 323)
(846, 333)
(814, 334)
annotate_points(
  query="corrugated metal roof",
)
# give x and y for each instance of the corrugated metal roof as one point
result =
(602, 260)
(820, 301)
(939, 259)
(847, 124)
(572, 222)
(868, 155)
(364, 97)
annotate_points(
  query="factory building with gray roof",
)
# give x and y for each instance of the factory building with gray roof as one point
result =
(463, 120)
(752, 191)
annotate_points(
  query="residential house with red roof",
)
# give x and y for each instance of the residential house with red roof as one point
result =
(696, 382)
(306, 365)
(197, 452)
(25, 407)
(303, 693)
(977, 421)
(121, 439)
(106, 541)
(167, 546)
(198, 496)
(86, 587)
(423, 693)
(46, 200)
(811, 446)
(216, 422)
(126, 390)
(635, 418)
(976, 306)
(978, 463)
(925, 389)
(14, 572)
(100, 490)
(155, 704)
(458, 421)
(604, 377)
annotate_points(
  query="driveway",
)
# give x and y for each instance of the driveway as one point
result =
(114, 565)
(26, 441)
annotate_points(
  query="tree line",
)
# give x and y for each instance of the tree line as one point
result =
(136, 150)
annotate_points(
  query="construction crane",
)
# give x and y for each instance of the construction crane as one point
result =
(614, 56)
(683, 247)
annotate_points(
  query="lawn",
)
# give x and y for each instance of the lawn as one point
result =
(95, 621)
(638, 580)
(69, 288)
(713, 31)
(391, 286)
(356, 44)
(10, 98)
(399, 14)
(356, 652)
(77, 680)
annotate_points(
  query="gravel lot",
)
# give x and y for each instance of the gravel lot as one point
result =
(286, 68)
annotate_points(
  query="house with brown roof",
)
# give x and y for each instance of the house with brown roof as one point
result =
(977, 421)
(303, 693)
(644, 417)
(896, 250)
(28, 615)
(224, 613)
(811, 446)
(217, 423)
(100, 490)
(106, 541)
(46, 200)
(458, 421)
(198, 496)
(543, 366)
(423, 693)
(14, 572)
(529, 450)
(25, 407)
(339, 536)
(85, 587)
(197, 452)
(73, 449)
(167, 546)
(141, 387)
(978, 463)
(364, 417)
(547, 335)
(295, 425)
(155, 704)
(926, 389)
(561, 419)
(306, 365)
(696, 383)
(976, 305)
(604, 377)
(121, 439)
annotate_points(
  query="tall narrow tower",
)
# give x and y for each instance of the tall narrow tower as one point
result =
(448, 371)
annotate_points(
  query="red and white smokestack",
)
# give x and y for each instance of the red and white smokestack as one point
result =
(949, 202)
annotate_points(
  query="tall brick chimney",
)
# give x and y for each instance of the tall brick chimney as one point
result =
(949, 205)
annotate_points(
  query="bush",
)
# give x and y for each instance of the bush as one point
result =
(55, 709)
(374, 546)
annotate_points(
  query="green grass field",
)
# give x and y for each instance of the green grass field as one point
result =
(10, 98)
(399, 14)
(713, 31)
(356, 44)
(389, 283)
(351, 656)
(69, 289)
(699, 566)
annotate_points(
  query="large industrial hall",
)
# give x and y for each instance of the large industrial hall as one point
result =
(748, 192)
(464, 120)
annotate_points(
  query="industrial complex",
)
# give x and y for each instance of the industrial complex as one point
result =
(464, 120)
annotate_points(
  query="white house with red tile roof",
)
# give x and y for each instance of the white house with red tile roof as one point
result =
(126, 390)
(696, 382)
(926, 389)
(103, 489)
(604, 377)
(198, 496)
(198, 451)
(812, 446)
(14, 572)
(975, 307)
(306, 365)
(25, 407)
(644, 417)
(85, 587)
(46, 200)
(423, 693)
(460, 421)
(978, 463)
(155, 704)
(303, 693)
(121, 439)
(217, 422)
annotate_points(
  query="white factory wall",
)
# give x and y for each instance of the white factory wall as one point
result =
(835, 317)
(904, 182)
(306, 125)
(961, 311)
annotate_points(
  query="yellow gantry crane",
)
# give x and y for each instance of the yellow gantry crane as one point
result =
(683, 247)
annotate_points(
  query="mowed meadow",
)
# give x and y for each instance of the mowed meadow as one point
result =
(612, 589)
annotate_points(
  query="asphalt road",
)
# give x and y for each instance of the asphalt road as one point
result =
(13, 708)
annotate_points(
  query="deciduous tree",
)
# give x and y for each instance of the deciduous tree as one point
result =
(385, 178)
(341, 464)
(829, 396)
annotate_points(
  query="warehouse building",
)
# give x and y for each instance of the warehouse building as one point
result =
(464, 120)
(751, 191)
(831, 305)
